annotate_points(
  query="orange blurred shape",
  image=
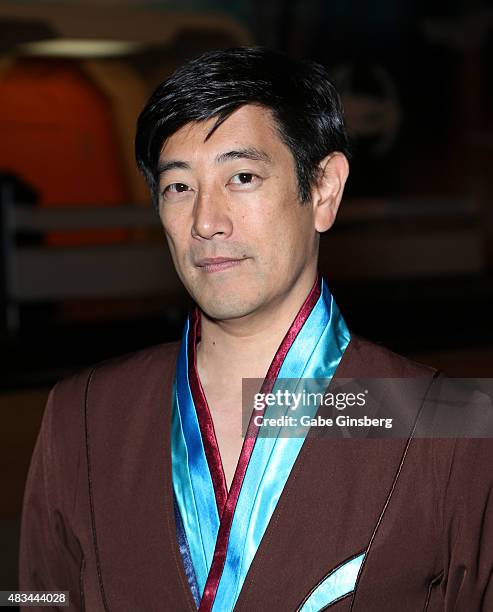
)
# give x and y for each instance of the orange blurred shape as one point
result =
(57, 134)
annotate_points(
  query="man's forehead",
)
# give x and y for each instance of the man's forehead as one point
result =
(248, 127)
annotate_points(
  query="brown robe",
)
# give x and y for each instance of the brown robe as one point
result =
(98, 510)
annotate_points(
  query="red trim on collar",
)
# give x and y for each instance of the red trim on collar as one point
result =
(206, 424)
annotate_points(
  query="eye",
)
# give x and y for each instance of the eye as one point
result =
(247, 179)
(242, 178)
(174, 190)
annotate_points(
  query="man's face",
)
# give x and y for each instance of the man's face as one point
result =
(240, 239)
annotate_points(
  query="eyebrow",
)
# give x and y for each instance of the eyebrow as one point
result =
(245, 153)
(251, 153)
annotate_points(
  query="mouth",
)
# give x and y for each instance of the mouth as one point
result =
(218, 264)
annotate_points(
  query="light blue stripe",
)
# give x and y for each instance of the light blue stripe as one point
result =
(192, 482)
(337, 584)
(315, 353)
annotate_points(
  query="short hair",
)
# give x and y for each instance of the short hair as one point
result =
(304, 103)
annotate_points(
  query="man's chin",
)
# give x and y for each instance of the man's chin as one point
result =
(225, 310)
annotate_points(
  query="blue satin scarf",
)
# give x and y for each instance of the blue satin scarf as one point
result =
(315, 353)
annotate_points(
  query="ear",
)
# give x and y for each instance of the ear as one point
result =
(328, 190)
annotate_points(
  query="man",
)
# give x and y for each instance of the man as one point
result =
(143, 493)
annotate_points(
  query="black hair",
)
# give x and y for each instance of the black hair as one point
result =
(304, 103)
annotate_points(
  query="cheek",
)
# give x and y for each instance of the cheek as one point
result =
(292, 240)
(175, 231)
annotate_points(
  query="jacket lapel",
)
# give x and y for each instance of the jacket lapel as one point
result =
(330, 507)
(128, 418)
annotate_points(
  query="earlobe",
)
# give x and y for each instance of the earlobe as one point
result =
(327, 194)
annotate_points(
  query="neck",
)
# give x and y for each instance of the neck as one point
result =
(245, 347)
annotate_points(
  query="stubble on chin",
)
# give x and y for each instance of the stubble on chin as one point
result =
(221, 304)
(222, 308)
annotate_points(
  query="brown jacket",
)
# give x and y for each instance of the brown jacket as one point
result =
(98, 510)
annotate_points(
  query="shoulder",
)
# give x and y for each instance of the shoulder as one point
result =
(119, 376)
(137, 363)
(363, 358)
(115, 395)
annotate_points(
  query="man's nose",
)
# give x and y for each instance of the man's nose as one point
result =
(211, 214)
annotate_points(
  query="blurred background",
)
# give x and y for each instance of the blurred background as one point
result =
(85, 273)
